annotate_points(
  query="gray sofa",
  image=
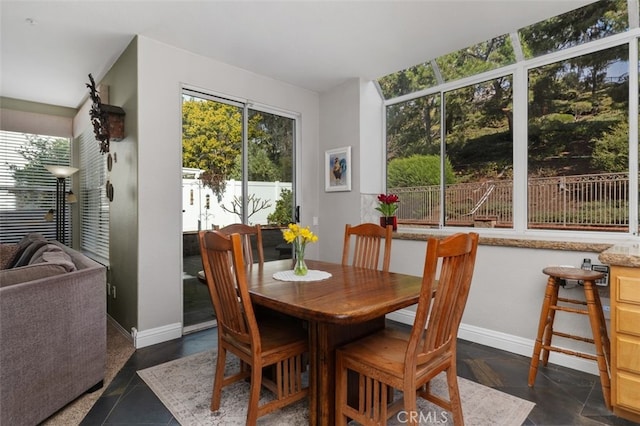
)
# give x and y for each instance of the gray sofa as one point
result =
(52, 329)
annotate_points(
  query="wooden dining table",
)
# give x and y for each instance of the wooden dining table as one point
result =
(350, 304)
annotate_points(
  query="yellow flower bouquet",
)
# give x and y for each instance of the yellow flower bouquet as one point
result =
(299, 236)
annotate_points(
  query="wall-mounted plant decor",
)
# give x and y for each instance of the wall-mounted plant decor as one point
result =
(107, 120)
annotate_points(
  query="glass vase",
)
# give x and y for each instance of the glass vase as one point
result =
(300, 267)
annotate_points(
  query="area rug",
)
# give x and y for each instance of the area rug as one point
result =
(184, 387)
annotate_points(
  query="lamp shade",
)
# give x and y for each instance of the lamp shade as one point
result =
(71, 197)
(61, 171)
(49, 215)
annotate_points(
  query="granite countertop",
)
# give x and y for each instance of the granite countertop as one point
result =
(622, 255)
(518, 242)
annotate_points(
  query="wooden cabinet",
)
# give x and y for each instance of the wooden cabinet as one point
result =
(625, 342)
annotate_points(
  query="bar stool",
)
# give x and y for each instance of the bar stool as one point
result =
(596, 317)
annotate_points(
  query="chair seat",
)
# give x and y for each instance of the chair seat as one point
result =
(385, 351)
(277, 335)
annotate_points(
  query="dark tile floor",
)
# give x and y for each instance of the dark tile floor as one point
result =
(562, 396)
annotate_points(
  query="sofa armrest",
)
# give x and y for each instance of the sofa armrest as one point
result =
(52, 343)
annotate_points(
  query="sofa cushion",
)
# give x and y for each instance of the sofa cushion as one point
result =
(30, 273)
(7, 254)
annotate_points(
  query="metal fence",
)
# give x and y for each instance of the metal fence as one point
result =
(570, 202)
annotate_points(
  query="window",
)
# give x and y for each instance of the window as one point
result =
(546, 108)
(479, 147)
(413, 158)
(592, 22)
(410, 80)
(476, 59)
(27, 189)
(242, 156)
(578, 146)
(94, 205)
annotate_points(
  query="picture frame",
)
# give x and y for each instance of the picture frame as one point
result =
(337, 166)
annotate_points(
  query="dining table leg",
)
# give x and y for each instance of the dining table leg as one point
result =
(324, 339)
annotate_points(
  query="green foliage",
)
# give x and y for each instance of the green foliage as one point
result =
(594, 21)
(611, 152)
(271, 138)
(407, 81)
(261, 168)
(413, 127)
(211, 140)
(417, 170)
(37, 152)
(476, 59)
(581, 108)
(284, 208)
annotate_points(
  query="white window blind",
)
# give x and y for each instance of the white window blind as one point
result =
(94, 205)
(27, 189)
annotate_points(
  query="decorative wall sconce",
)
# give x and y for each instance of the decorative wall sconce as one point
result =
(61, 173)
(109, 189)
(107, 120)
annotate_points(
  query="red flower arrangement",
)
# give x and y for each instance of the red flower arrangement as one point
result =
(388, 204)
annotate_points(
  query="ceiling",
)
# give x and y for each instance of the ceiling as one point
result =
(49, 47)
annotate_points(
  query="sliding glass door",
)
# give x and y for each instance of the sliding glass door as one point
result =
(238, 167)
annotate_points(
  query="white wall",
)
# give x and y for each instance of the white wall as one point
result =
(162, 72)
(340, 127)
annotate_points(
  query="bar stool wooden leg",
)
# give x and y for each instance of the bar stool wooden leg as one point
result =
(600, 337)
(552, 317)
(551, 294)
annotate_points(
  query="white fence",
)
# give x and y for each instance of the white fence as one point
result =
(196, 216)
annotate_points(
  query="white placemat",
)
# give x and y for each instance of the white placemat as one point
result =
(312, 275)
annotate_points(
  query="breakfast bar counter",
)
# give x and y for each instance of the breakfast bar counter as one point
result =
(627, 255)
(624, 261)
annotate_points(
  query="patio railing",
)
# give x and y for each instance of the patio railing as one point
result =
(573, 202)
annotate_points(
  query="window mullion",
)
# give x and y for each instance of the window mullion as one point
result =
(520, 149)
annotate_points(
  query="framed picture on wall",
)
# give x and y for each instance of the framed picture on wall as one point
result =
(337, 166)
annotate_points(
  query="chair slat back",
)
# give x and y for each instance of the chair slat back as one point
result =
(438, 317)
(368, 242)
(222, 257)
(247, 232)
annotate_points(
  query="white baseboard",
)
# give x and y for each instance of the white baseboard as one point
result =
(506, 342)
(118, 327)
(156, 335)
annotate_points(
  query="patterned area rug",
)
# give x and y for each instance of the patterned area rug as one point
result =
(184, 387)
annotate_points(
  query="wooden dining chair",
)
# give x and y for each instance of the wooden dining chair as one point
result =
(368, 239)
(407, 361)
(247, 232)
(275, 342)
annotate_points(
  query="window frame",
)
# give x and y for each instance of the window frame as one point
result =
(519, 72)
(22, 221)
